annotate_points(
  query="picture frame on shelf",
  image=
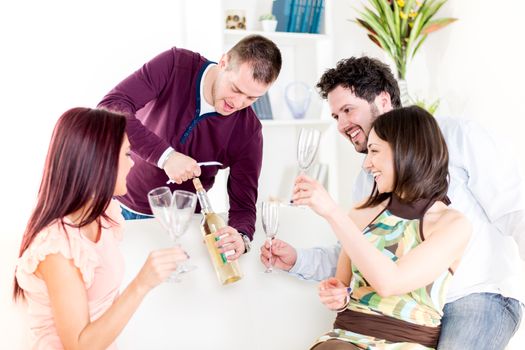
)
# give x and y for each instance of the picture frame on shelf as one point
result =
(235, 19)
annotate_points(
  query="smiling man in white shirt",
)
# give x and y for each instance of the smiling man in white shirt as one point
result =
(484, 303)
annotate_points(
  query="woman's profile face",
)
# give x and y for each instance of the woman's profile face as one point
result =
(124, 166)
(380, 162)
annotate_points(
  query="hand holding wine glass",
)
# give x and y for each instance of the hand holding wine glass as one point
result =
(309, 192)
(159, 266)
(270, 222)
(173, 212)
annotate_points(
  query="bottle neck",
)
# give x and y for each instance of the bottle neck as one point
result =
(204, 202)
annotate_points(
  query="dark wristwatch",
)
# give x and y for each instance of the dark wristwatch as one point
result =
(246, 240)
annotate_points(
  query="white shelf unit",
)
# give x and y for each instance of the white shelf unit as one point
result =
(275, 35)
(321, 124)
(305, 58)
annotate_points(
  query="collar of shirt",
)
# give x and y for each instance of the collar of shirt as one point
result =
(205, 107)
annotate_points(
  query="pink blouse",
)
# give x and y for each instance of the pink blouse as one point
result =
(101, 265)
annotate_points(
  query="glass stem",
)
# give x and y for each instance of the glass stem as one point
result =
(270, 260)
(173, 237)
(176, 243)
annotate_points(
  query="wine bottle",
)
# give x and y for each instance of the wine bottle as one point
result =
(227, 271)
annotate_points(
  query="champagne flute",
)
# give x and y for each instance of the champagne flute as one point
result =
(183, 203)
(270, 223)
(307, 146)
(161, 202)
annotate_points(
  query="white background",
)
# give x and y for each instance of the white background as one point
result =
(59, 54)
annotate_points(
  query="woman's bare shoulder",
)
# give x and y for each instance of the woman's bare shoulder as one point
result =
(363, 216)
(447, 220)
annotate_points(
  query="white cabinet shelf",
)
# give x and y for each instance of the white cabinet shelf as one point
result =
(306, 57)
(238, 34)
(321, 124)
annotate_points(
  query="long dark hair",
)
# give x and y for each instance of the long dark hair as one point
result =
(420, 155)
(80, 171)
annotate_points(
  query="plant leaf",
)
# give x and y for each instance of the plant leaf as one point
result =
(414, 33)
(389, 16)
(430, 9)
(437, 24)
(397, 20)
(375, 41)
(404, 21)
(373, 22)
(365, 25)
(418, 45)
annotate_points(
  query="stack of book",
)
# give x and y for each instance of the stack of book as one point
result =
(263, 108)
(301, 16)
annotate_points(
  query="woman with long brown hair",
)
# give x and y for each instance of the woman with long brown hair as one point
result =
(70, 267)
(400, 247)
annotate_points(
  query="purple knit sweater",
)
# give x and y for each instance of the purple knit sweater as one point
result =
(161, 102)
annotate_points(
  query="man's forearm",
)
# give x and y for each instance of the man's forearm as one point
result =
(317, 263)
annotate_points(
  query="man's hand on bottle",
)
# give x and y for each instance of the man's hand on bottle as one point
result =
(180, 167)
(284, 255)
(230, 242)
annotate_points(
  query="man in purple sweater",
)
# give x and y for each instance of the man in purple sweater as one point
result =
(183, 109)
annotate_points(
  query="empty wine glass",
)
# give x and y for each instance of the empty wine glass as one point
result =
(270, 223)
(307, 146)
(173, 212)
(183, 204)
(297, 96)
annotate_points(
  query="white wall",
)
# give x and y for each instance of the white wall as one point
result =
(59, 54)
(56, 55)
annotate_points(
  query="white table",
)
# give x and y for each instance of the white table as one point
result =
(269, 311)
(261, 311)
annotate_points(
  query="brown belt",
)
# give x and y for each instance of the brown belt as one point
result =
(388, 328)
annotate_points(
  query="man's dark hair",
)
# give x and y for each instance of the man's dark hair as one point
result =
(366, 77)
(420, 155)
(261, 53)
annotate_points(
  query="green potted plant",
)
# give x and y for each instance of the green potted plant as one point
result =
(400, 27)
(269, 22)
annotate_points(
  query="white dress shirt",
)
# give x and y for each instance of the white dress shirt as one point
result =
(485, 185)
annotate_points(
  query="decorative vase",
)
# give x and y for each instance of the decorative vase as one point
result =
(406, 100)
(297, 96)
(269, 25)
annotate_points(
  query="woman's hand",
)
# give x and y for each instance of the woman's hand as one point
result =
(158, 266)
(309, 192)
(333, 293)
